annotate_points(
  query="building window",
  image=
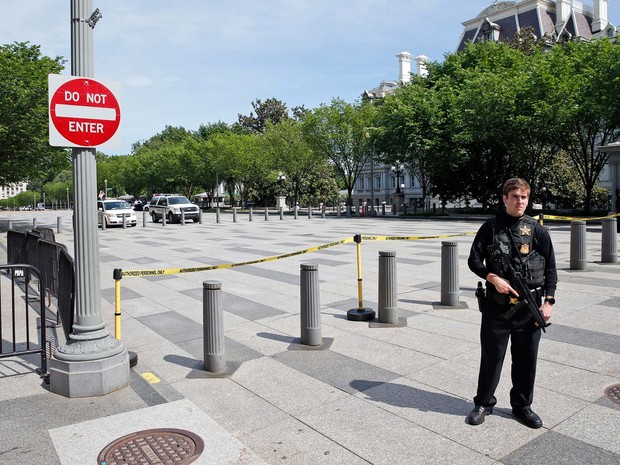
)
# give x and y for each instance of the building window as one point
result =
(361, 183)
(378, 181)
(393, 182)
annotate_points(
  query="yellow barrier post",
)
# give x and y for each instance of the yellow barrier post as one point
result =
(360, 313)
(118, 275)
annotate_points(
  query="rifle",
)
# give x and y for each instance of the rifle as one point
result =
(519, 283)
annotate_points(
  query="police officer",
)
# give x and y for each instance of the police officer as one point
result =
(530, 250)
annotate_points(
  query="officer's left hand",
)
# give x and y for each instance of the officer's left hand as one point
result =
(547, 310)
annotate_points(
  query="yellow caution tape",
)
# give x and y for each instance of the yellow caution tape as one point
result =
(412, 238)
(570, 218)
(140, 273)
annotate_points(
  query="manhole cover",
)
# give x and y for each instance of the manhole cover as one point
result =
(153, 446)
(613, 392)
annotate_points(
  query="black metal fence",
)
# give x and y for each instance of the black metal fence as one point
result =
(52, 269)
(22, 302)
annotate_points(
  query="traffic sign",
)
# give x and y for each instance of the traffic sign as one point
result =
(83, 112)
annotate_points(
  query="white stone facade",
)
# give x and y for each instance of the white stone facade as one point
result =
(11, 190)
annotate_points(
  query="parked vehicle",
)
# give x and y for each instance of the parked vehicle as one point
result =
(112, 210)
(172, 206)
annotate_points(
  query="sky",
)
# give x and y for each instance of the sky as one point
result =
(192, 62)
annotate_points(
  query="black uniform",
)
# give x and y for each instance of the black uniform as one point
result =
(531, 251)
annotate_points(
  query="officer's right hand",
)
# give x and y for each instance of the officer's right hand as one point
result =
(501, 285)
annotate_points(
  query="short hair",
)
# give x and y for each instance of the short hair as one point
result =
(515, 183)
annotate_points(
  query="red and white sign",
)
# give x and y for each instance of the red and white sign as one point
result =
(83, 112)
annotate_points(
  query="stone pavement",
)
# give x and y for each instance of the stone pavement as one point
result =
(373, 394)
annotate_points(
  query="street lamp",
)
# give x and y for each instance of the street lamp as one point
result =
(398, 169)
(281, 179)
(106, 188)
(67, 198)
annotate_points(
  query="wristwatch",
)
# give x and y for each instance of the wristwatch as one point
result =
(550, 300)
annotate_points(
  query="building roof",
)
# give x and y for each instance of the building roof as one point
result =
(502, 20)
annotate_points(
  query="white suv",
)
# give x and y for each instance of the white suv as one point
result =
(171, 206)
(112, 210)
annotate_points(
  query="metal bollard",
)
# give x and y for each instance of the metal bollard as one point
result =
(58, 224)
(213, 327)
(310, 305)
(338, 210)
(309, 211)
(144, 215)
(388, 288)
(449, 274)
(200, 216)
(34, 224)
(102, 222)
(266, 213)
(182, 217)
(250, 214)
(578, 251)
(281, 213)
(10, 224)
(383, 209)
(234, 214)
(163, 219)
(217, 215)
(609, 245)
(295, 211)
(323, 211)
(124, 220)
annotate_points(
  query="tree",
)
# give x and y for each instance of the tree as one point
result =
(239, 163)
(170, 162)
(272, 110)
(588, 74)
(293, 156)
(24, 147)
(407, 129)
(339, 132)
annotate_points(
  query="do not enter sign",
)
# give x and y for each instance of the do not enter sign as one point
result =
(83, 112)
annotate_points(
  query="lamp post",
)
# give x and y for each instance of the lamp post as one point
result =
(68, 198)
(92, 362)
(372, 211)
(281, 197)
(106, 188)
(281, 179)
(398, 169)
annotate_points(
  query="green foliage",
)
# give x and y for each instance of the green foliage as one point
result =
(407, 129)
(510, 109)
(339, 133)
(271, 110)
(24, 148)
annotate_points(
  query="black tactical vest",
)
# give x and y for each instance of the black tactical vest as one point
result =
(517, 242)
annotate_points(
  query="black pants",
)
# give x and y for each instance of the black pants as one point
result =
(495, 332)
